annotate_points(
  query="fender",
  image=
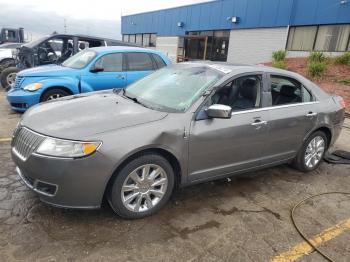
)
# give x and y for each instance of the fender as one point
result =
(2, 59)
(85, 87)
(70, 83)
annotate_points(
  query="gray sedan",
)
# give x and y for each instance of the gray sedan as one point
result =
(181, 125)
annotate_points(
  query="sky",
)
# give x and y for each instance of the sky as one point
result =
(98, 18)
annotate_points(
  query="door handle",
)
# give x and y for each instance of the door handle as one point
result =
(121, 77)
(259, 123)
(311, 114)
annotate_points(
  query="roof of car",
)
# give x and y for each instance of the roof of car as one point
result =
(230, 69)
(83, 36)
(107, 49)
(234, 68)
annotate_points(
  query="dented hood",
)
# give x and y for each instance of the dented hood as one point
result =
(78, 117)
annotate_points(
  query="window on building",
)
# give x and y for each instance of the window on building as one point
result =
(125, 38)
(139, 62)
(139, 39)
(132, 38)
(153, 39)
(213, 45)
(301, 38)
(145, 39)
(332, 38)
(327, 38)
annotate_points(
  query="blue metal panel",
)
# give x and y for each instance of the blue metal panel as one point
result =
(320, 12)
(252, 14)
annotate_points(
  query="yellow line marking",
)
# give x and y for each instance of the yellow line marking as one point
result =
(6, 139)
(304, 248)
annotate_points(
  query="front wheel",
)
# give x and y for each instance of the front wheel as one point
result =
(312, 152)
(52, 94)
(8, 77)
(142, 187)
(6, 63)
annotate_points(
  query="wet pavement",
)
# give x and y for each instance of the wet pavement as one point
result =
(243, 219)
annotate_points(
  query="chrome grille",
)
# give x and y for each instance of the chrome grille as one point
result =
(18, 81)
(25, 142)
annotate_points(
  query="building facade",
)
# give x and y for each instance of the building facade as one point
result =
(243, 31)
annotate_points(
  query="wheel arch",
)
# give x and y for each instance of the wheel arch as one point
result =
(68, 90)
(7, 59)
(173, 161)
(326, 130)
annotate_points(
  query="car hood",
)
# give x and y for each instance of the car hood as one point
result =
(78, 117)
(47, 71)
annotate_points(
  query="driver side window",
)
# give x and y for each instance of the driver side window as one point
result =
(243, 93)
(111, 62)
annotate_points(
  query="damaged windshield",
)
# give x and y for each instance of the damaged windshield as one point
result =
(173, 89)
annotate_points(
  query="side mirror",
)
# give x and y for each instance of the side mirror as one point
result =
(96, 69)
(219, 111)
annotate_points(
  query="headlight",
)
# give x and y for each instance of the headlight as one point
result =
(33, 87)
(65, 148)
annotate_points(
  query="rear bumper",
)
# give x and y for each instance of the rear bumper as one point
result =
(336, 133)
(21, 100)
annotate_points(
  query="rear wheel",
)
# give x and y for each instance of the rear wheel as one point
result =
(142, 187)
(312, 152)
(53, 94)
(8, 77)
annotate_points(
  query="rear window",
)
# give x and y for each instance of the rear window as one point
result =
(139, 62)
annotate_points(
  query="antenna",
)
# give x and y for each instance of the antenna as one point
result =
(65, 25)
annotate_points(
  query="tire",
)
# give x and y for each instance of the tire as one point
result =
(7, 63)
(8, 76)
(301, 161)
(125, 203)
(52, 94)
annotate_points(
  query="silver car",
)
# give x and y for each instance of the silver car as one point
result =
(181, 125)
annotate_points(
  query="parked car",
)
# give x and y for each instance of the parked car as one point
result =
(6, 51)
(52, 49)
(90, 70)
(181, 125)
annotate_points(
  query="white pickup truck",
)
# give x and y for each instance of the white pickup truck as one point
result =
(6, 50)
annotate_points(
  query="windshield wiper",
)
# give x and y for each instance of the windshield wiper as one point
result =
(116, 90)
(134, 99)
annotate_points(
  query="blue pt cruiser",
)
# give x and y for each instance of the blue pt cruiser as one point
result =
(90, 70)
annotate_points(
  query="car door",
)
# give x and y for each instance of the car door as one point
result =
(106, 73)
(293, 114)
(219, 147)
(139, 65)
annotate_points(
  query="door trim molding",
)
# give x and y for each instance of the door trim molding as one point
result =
(273, 107)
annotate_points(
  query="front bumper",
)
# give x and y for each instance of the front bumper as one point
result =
(69, 183)
(20, 100)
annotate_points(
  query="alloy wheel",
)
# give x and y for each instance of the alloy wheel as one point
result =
(144, 187)
(54, 96)
(314, 151)
(11, 78)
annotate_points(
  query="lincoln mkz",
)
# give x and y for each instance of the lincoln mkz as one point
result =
(180, 125)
